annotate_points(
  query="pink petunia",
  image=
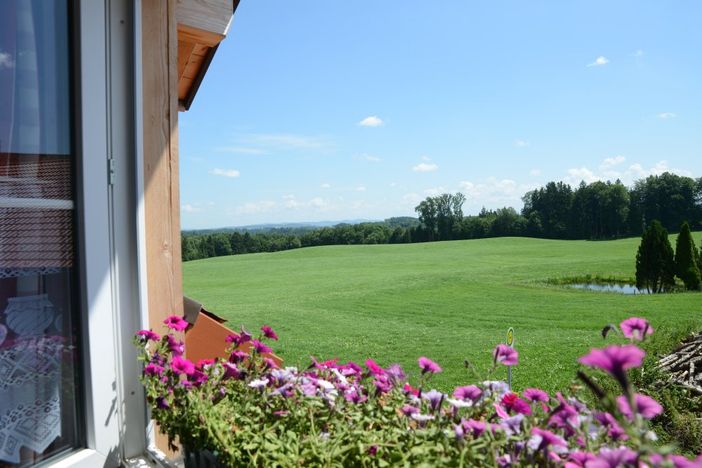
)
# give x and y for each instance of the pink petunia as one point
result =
(176, 323)
(614, 359)
(181, 365)
(505, 355)
(636, 328)
(469, 392)
(614, 430)
(153, 369)
(536, 394)
(374, 368)
(512, 402)
(238, 356)
(579, 459)
(270, 363)
(613, 458)
(427, 365)
(233, 338)
(645, 406)
(475, 427)
(269, 333)
(177, 347)
(148, 335)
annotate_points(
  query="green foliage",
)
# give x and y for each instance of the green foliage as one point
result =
(440, 215)
(687, 259)
(443, 299)
(655, 265)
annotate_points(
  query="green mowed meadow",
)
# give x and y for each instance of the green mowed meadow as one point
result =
(449, 301)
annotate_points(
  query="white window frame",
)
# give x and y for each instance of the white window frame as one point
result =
(110, 232)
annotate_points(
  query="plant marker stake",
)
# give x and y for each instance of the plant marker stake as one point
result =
(510, 343)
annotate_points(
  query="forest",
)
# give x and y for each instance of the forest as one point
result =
(595, 211)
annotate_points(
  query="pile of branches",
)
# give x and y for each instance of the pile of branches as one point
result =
(684, 365)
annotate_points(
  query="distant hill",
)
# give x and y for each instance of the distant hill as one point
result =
(297, 228)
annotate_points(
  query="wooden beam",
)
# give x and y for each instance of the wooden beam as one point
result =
(211, 16)
(161, 190)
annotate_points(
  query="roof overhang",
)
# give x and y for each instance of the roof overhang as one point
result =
(202, 25)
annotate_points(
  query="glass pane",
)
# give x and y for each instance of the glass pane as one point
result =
(38, 325)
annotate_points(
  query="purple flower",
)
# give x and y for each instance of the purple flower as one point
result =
(238, 356)
(614, 430)
(396, 373)
(434, 398)
(260, 348)
(512, 425)
(270, 363)
(198, 378)
(180, 365)
(269, 333)
(153, 369)
(355, 395)
(565, 416)
(409, 410)
(372, 450)
(176, 323)
(244, 336)
(579, 459)
(541, 439)
(383, 384)
(476, 427)
(636, 328)
(162, 403)
(177, 347)
(613, 458)
(147, 335)
(614, 359)
(233, 338)
(231, 371)
(505, 355)
(536, 394)
(427, 365)
(645, 406)
(469, 392)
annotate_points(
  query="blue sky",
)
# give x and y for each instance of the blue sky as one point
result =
(329, 110)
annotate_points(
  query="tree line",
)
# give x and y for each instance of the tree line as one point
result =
(599, 210)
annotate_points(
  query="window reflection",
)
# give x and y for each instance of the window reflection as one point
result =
(38, 327)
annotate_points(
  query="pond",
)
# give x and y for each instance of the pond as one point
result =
(612, 287)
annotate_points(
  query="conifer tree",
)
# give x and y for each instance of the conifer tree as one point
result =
(655, 265)
(686, 259)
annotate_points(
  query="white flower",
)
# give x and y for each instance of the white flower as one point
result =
(421, 417)
(258, 383)
(459, 403)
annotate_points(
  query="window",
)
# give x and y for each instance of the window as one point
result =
(39, 358)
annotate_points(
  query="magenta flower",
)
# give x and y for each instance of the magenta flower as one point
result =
(541, 439)
(270, 363)
(512, 402)
(233, 338)
(244, 336)
(645, 406)
(148, 335)
(636, 328)
(374, 368)
(231, 371)
(409, 410)
(536, 394)
(427, 365)
(269, 333)
(469, 392)
(614, 359)
(153, 369)
(434, 398)
(162, 403)
(260, 347)
(238, 356)
(176, 323)
(614, 430)
(476, 427)
(198, 378)
(180, 365)
(395, 372)
(505, 355)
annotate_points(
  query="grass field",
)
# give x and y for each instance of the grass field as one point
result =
(448, 301)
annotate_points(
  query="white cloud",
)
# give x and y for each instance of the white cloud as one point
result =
(426, 158)
(292, 203)
(494, 192)
(240, 150)
(233, 173)
(318, 202)
(425, 167)
(638, 53)
(262, 206)
(434, 191)
(411, 198)
(609, 163)
(6, 60)
(285, 141)
(599, 62)
(371, 121)
(667, 115)
(361, 188)
(535, 172)
(371, 158)
(521, 143)
(189, 208)
(578, 174)
(325, 186)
